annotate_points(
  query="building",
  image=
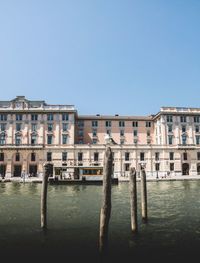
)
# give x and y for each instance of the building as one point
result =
(33, 133)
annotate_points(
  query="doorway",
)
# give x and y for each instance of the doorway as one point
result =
(33, 170)
(17, 170)
(3, 170)
(185, 169)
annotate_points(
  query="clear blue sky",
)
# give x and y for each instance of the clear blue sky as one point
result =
(105, 56)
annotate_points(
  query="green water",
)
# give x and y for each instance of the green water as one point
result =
(73, 220)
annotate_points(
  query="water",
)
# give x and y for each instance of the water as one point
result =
(173, 229)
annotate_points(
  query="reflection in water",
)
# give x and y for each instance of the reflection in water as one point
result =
(73, 219)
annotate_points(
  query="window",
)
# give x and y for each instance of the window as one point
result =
(1, 157)
(196, 119)
(127, 167)
(49, 157)
(148, 133)
(184, 139)
(169, 128)
(121, 124)
(169, 118)
(3, 117)
(183, 118)
(135, 133)
(135, 124)
(157, 166)
(108, 123)
(94, 133)
(2, 139)
(18, 126)
(64, 156)
(80, 133)
(81, 124)
(17, 157)
(80, 156)
(148, 124)
(198, 155)
(65, 126)
(50, 117)
(18, 117)
(17, 139)
(121, 132)
(64, 139)
(157, 156)
(127, 156)
(33, 127)
(183, 128)
(33, 157)
(65, 116)
(171, 166)
(171, 156)
(33, 139)
(170, 139)
(2, 126)
(185, 156)
(94, 123)
(108, 132)
(34, 117)
(142, 156)
(198, 139)
(50, 127)
(96, 157)
(49, 139)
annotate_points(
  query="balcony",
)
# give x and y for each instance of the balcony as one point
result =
(186, 146)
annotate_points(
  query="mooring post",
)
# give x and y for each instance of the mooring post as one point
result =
(44, 198)
(144, 195)
(106, 201)
(133, 199)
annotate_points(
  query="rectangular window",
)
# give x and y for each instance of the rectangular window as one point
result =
(196, 119)
(127, 167)
(157, 156)
(64, 139)
(33, 157)
(50, 127)
(169, 118)
(33, 127)
(64, 156)
(50, 116)
(49, 157)
(127, 156)
(171, 156)
(34, 117)
(18, 117)
(198, 155)
(121, 132)
(170, 139)
(96, 157)
(65, 126)
(80, 133)
(33, 139)
(157, 166)
(108, 132)
(80, 124)
(3, 117)
(169, 128)
(17, 157)
(108, 123)
(141, 156)
(196, 128)
(94, 123)
(80, 156)
(121, 124)
(183, 128)
(17, 139)
(148, 124)
(1, 157)
(148, 133)
(184, 139)
(65, 116)
(49, 139)
(171, 166)
(198, 139)
(2, 126)
(94, 133)
(2, 139)
(185, 156)
(18, 126)
(183, 119)
(135, 124)
(135, 133)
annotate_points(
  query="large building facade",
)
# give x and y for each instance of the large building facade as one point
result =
(34, 133)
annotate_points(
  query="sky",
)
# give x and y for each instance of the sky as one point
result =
(127, 57)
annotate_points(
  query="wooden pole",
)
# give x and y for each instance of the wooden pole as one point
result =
(106, 201)
(144, 195)
(44, 198)
(133, 199)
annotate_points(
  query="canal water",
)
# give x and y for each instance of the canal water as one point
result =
(172, 232)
